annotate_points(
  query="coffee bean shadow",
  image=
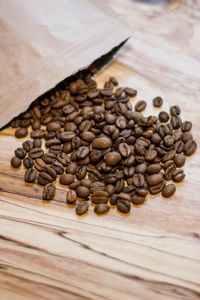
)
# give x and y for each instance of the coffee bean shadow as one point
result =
(140, 205)
(102, 215)
(123, 214)
(71, 206)
(82, 216)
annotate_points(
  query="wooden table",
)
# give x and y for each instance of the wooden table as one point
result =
(49, 253)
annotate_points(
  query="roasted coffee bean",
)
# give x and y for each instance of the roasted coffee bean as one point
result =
(178, 175)
(168, 163)
(21, 132)
(150, 155)
(141, 168)
(190, 147)
(88, 136)
(124, 196)
(82, 152)
(168, 190)
(179, 160)
(154, 168)
(187, 136)
(168, 140)
(49, 158)
(138, 180)
(139, 149)
(37, 143)
(63, 158)
(38, 134)
(67, 136)
(44, 178)
(58, 167)
(15, 123)
(71, 197)
(154, 179)
(86, 182)
(177, 136)
(155, 189)
(169, 171)
(39, 164)
(179, 146)
(110, 189)
(142, 192)
(56, 149)
(123, 206)
(175, 110)
(113, 199)
(102, 143)
(97, 186)
(15, 162)
(36, 153)
(72, 168)
(121, 122)
(82, 207)
(119, 185)
(81, 172)
(140, 106)
(52, 142)
(74, 185)
(27, 162)
(169, 155)
(36, 124)
(53, 126)
(51, 172)
(138, 200)
(50, 135)
(83, 191)
(101, 208)
(30, 175)
(124, 149)
(20, 152)
(130, 92)
(112, 158)
(186, 126)
(100, 197)
(157, 101)
(27, 145)
(66, 179)
(163, 116)
(49, 191)
(175, 122)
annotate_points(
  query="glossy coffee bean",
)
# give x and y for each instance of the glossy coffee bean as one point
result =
(27, 145)
(163, 116)
(49, 191)
(157, 102)
(123, 206)
(138, 200)
(36, 153)
(178, 175)
(21, 132)
(140, 105)
(28, 162)
(83, 191)
(20, 152)
(101, 208)
(30, 175)
(179, 160)
(71, 196)
(66, 179)
(168, 190)
(15, 162)
(82, 207)
(190, 147)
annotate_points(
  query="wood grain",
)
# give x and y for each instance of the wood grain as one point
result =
(48, 253)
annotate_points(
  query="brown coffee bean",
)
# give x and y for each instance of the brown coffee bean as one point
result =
(49, 191)
(30, 175)
(36, 124)
(138, 180)
(82, 152)
(155, 189)
(123, 206)
(86, 182)
(49, 158)
(37, 143)
(36, 153)
(88, 136)
(15, 162)
(44, 178)
(177, 136)
(140, 106)
(169, 171)
(176, 122)
(38, 134)
(110, 189)
(168, 190)
(81, 172)
(52, 142)
(186, 126)
(154, 179)
(83, 191)
(121, 122)
(179, 146)
(74, 185)
(97, 186)
(163, 116)
(190, 147)
(101, 208)
(153, 168)
(150, 155)
(112, 158)
(175, 110)
(179, 160)
(138, 200)
(82, 207)
(39, 164)
(51, 172)
(168, 140)
(63, 158)
(169, 155)
(124, 149)
(20, 152)
(100, 197)
(187, 136)
(142, 191)
(178, 175)
(102, 143)
(53, 126)
(72, 168)
(21, 132)
(58, 167)
(66, 179)
(27, 145)
(130, 92)
(27, 162)
(157, 101)
(71, 196)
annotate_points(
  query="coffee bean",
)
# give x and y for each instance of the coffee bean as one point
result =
(52, 142)
(102, 143)
(155, 189)
(44, 178)
(82, 152)
(53, 126)
(100, 197)
(82, 207)
(169, 171)
(130, 92)
(39, 164)
(124, 149)
(37, 143)
(138, 200)
(83, 191)
(30, 175)
(153, 168)
(21, 132)
(179, 146)
(36, 153)
(175, 110)
(101, 208)
(178, 175)
(15, 162)
(38, 134)
(63, 158)
(81, 172)
(157, 102)
(163, 116)
(150, 155)
(123, 206)
(154, 179)
(179, 160)
(20, 152)
(168, 140)
(51, 172)
(121, 122)
(49, 191)
(168, 190)
(27, 145)
(175, 122)
(66, 179)
(112, 158)
(140, 106)
(169, 155)
(49, 158)
(186, 126)
(72, 168)
(88, 136)
(27, 162)
(190, 147)
(58, 167)
(36, 124)
(74, 185)
(71, 197)
(142, 191)
(187, 136)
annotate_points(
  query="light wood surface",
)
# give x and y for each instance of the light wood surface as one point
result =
(49, 253)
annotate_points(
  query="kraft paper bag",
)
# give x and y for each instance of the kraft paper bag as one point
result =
(42, 42)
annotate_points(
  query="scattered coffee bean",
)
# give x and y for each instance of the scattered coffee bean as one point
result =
(82, 207)
(168, 190)
(83, 191)
(178, 175)
(190, 147)
(21, 132)
(15, 162)
(28, 162)
(179, 160)
(123, 206)
(49, 191)
(27, 145)
(71, 197)
(163, 116)
(101, 208)
(20, 152)
(100, 197)
(140, 105)
(66, 179)
(138, 200)
(30, 175)
(157, 102)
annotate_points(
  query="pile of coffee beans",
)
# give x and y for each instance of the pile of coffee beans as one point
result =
(100, 148)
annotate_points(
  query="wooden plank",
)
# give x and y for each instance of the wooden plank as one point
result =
(47, 252)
